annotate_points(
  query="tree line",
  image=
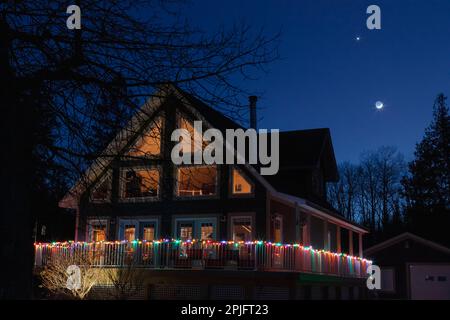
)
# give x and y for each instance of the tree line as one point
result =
(389, 195)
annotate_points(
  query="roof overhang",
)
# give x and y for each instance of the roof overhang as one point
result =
(317, 211)
(402, 237)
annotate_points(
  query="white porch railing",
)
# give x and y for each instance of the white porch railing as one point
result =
(257, 255)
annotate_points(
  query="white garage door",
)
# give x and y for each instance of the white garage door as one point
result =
(430, 281)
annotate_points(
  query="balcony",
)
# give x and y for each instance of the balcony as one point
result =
(198, 255)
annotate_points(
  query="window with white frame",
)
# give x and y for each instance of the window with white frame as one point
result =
(142, 229)
(97, 229)
(195, 228)
(197, 181)
(148, 231)
(129, 232)
(139, 183)
(207, 231)
(278, 228)
(185, 230)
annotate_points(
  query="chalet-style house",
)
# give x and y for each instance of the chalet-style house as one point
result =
(140, 194)
(133, 193)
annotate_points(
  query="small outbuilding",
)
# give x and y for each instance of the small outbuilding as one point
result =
(412, 268)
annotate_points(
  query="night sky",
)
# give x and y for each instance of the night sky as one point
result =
(326, 78)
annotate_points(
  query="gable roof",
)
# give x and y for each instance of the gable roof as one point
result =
(216, 118)
(315, 142)
(308, 149)
(402, 237)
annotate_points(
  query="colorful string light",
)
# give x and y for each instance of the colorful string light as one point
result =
(207, 242)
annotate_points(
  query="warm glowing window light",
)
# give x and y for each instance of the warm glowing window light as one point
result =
(240, 184)
(149, 143)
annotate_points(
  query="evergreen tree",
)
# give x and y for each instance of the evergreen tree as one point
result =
(427, 186)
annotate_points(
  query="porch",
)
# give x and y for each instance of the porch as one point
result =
(203, 255)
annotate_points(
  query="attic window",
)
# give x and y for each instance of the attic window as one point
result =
(240, 183)
(140, 183)
(149, 144)
(102, 190)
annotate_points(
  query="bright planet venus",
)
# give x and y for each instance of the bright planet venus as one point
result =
(379, 105)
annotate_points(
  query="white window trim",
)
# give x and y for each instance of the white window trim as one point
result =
(197, 221)
(231, 184)
(137, 225)
(233, 217)
(177, 175)
(281, 219)
(123, 170)
(92, 221)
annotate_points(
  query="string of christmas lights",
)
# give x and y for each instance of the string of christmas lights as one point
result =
(203, 242)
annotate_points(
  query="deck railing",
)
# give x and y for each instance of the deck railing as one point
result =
(257, 255)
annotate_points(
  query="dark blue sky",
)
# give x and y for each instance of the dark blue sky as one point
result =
(327, 79)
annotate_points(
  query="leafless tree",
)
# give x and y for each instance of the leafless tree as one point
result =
(127, 281)
(369, 192)
(342, 194)
(66, 92)
(56, 274)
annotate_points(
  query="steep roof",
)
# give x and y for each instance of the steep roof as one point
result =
(308, 149)
(315, 145)
(402, 237)
(216, 118)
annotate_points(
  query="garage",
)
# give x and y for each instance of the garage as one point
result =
(411, 267)
(429, 281)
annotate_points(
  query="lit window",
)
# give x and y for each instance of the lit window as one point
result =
(242, 229)
(207, 231)
(240, 184)
(196, 142)
(140, 183)
(99, 233)
(186, 230)
(97, 229)
(197, 181)
(278, 229)
(149, 143)
(102, 190)
(130, 232)
(148, 232)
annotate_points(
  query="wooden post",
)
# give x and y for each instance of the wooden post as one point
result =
(338, 239)
(297, 223)
(360, 245)
(307, 230)
(326, 239)
(77, 222)
(350, 242)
